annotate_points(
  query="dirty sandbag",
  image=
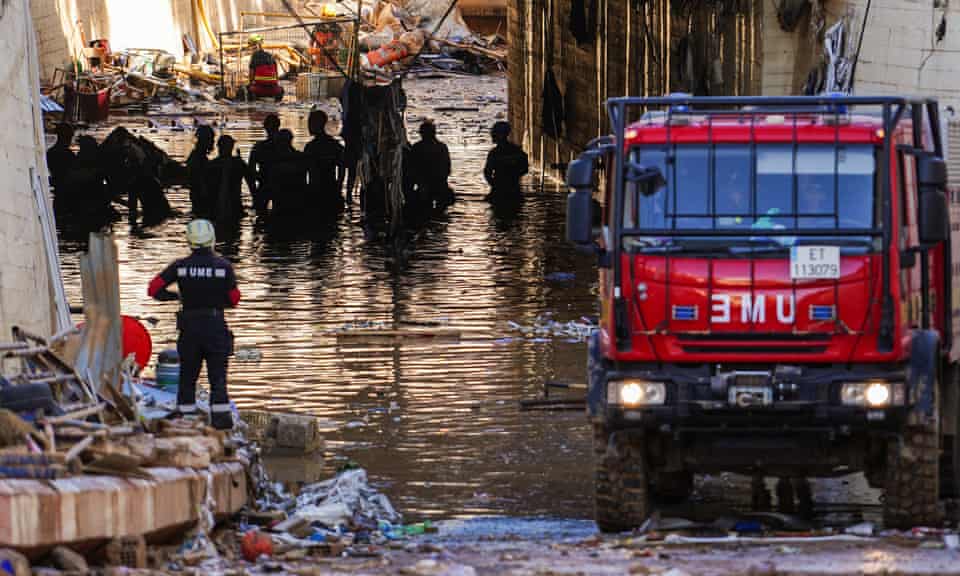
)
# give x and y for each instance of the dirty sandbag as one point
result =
(393, 17)
(413, 40)
(374, 40)
(432, 11)
(345, 497)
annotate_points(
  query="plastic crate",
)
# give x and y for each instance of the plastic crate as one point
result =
(312, 87)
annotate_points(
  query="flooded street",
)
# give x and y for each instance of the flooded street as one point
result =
(436, 423)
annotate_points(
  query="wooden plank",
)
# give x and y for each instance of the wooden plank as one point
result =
(101, 350)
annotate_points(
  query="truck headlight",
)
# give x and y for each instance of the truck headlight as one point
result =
(872, 394)
(634, 393)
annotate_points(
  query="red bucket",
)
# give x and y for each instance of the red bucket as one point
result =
(92, 106)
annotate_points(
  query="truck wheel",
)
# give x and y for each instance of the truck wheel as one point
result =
(672, 487)
(912, 475)
(785, 503)
(622, 492)
(950, 426)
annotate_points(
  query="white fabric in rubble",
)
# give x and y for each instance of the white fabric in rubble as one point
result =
(334, 502)
(431, 11)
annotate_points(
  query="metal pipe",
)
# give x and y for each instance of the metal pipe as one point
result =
(856, 57)
(885, 336)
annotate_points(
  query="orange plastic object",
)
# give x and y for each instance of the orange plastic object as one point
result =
(256, 544)
(387, 53)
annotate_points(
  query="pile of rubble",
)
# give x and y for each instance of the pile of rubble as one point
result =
(394, 37)
(395, 33)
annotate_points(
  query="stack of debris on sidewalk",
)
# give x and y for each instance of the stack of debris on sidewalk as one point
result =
(89, 450)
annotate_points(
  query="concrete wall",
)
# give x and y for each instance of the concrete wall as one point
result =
(133, 24)
(900, 53)
(25, 286)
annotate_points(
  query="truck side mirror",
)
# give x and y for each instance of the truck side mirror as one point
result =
(579, 201)
(934, 223)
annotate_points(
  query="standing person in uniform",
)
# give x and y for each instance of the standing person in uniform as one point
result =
(207, 285)
(430, 164)
(325, 168)
(201, 198)
(261, 161)
(506, 164)
(264, 77)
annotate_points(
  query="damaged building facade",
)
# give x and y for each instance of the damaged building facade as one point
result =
(568, 56)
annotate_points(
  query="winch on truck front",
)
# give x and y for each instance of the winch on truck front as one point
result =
(776, 297)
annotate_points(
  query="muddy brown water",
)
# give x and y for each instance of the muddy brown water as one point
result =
(435, 423)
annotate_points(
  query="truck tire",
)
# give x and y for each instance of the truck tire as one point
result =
(911, 495)
(950, 428)
(672, 487)
(622, 496)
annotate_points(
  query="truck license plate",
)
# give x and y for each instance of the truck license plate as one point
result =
(815, 263)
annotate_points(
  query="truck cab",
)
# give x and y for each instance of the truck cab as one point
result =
(776, 298)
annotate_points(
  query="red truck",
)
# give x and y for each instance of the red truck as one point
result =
(776, 298)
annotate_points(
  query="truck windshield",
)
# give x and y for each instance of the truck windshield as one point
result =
(754, 188)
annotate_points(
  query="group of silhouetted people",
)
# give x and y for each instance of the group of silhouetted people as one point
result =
(292, 184)
(123, 167)
(284, 183)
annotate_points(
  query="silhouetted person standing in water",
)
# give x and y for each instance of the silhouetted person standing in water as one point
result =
(288, 178)
(60, 162)
(261, 162)
(202, 199)
(225, 176)
(325, 167)
(90, 181)
(506, 164)
(430, 167)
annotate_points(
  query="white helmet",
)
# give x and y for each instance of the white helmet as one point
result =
(201, 234)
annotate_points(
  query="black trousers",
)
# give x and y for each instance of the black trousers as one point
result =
(204, 339)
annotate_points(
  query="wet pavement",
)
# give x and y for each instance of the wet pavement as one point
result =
(435, 422)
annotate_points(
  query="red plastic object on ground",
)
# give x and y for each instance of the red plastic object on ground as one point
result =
(256, 544)
(136, 340)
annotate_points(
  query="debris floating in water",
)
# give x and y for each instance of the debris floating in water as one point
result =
(545, 326)
(248, 355)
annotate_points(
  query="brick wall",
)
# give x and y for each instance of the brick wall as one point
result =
(24, 279)
(900, 54)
